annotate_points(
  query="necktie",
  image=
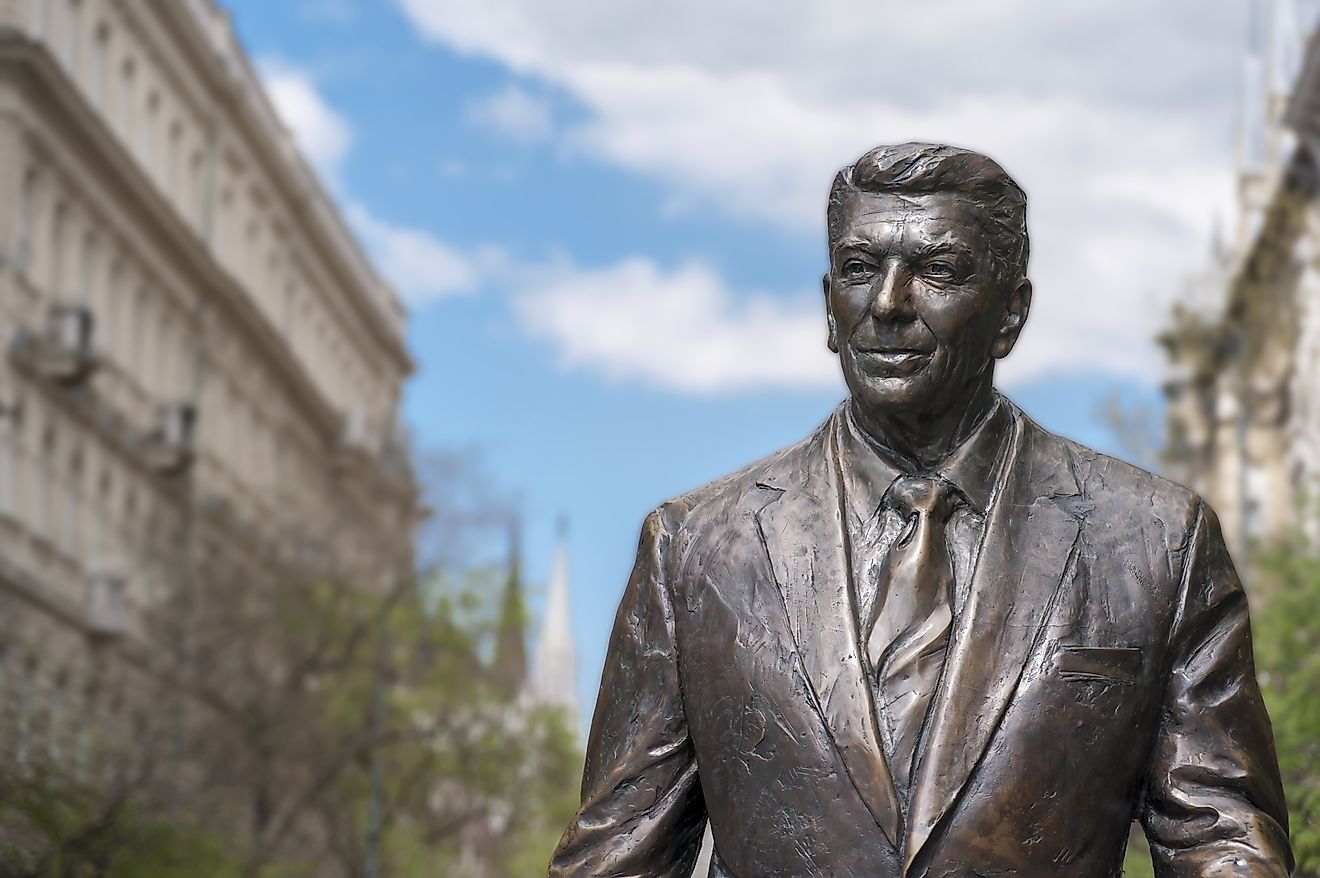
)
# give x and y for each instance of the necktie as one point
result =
(909, 626)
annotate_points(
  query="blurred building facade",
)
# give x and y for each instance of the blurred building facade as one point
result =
(1244, 341)
(200, 372)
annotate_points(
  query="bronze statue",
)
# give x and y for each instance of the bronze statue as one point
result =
(932, 638)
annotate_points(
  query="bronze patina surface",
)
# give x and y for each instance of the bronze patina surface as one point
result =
(932, 638)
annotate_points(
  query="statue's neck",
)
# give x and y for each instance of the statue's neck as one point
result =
(928, 437)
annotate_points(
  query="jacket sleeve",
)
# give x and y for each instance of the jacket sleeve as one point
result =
(642, 812)
(1214, 804)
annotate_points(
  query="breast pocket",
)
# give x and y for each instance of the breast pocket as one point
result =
(1098, 664)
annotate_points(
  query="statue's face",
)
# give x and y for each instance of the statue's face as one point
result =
(917, 309)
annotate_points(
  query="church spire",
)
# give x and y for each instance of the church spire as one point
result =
(554, 672)
(510, 645)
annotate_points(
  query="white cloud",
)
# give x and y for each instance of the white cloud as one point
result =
(419, 265)
(320, 131)
(516, 114)
(1114, 114)
(680, 330)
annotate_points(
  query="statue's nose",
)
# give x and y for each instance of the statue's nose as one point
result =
(892, 299)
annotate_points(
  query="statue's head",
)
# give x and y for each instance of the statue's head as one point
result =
(927, 284)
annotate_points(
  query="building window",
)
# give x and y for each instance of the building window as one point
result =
(56, 253)
(55, 720)
(113, 724)
(224, 222)
(10, 429)
(133, 361)
(195, 188)
(72, 33)
(110, 306)
(95, 539)
(84, 292)
(71, 505)
(27, 210)
(248, 258)
(271, 280)
(27, 440)
(100, 52)
(128, 77)
(44, 476)
(82, 756)
(290, 311)
(158, 377)
(130, 516)
(147, 145)
(23, 733)
(5, 700)
(174, 159)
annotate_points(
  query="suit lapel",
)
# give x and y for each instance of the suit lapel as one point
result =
(1025, 560)
(802, 530)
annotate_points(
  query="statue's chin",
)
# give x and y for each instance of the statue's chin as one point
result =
(890, 395)
(928, 388)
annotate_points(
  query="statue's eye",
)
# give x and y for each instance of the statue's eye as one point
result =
(939, 270)
(854, 268)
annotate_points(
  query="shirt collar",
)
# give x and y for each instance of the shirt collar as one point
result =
(971, 467)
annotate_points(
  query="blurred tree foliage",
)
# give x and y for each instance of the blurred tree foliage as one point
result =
(1286, 628)
(51, 824)
(1138, 863)
(308, 726)
(342, 728)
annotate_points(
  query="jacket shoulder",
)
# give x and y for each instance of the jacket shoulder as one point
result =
(738, 491)
(1119, 491)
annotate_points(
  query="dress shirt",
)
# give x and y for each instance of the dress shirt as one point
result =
(869, 468)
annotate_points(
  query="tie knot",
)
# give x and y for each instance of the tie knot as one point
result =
(928, 496)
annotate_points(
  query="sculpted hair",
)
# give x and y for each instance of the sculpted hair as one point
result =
(932, 167)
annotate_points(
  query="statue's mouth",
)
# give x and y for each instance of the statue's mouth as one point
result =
(899, 359)
(894, 352)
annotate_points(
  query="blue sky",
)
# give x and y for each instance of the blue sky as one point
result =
(607, 219)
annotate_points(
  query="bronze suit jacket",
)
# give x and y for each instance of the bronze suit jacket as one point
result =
(1099, 672)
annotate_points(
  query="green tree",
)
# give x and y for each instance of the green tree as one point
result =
(52, 824)
(341, 727)
(1138, 862)
(324, 727)
(1287, 641)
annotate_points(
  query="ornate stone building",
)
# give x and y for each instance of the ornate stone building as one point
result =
(200, 371)
(1244, 343)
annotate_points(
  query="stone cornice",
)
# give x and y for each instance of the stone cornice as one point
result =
(237, 89)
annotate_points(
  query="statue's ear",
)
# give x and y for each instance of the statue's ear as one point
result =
(1016, 310)
(833, 340)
